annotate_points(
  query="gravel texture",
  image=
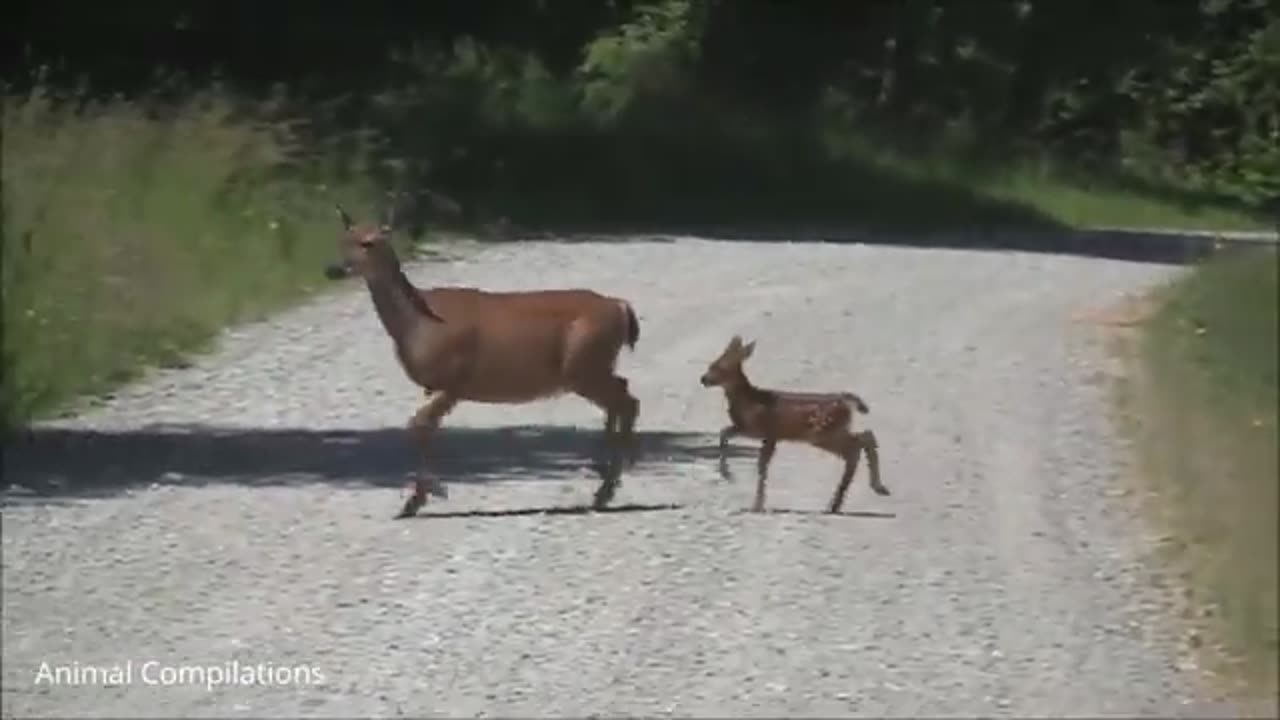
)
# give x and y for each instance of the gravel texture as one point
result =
(239, 510)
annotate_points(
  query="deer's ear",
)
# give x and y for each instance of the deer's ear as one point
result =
(735, 343)
(343, 216)
(748, 349)
(388, 217)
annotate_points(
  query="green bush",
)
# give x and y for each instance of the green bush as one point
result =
(134, 231)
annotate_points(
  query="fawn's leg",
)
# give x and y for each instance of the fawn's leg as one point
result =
(872, 446)
(762, 472)
(422, 426)
(849, 447)
(611, 395)
(726, 434)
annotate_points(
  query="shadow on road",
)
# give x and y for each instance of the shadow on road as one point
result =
(821, 513)
(1149, 246)
(52, 463)
(564, 510)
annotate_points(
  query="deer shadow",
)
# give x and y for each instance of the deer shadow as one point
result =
(866, 514)
(42, 465)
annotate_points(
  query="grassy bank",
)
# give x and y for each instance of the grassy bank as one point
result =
(777, 173)
(1206, 409)
(132, 235)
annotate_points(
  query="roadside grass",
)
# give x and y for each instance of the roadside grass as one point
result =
(1080, 204)
(133, 234)
(1053, 189)
(721, 171)
(1204, 409)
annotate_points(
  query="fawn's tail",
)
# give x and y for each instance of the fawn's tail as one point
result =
(858, 404)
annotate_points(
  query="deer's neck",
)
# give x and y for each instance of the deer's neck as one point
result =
(738, 390)
(399, 306)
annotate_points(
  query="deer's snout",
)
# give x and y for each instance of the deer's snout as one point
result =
(707, 380)
(337, 271)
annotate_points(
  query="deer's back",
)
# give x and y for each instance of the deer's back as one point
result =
(515, 346)
(469, 304)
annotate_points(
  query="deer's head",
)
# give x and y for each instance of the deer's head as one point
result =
(363, 250)
(728, 367)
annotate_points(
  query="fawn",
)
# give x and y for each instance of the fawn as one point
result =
(822, 420)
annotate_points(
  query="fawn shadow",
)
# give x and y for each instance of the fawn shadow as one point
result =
(52, 463)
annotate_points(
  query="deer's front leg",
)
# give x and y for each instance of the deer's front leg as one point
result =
(422, 426)
(726, 434)
(762, 472)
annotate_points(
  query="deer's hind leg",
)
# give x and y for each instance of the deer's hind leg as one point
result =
(422, 426)
(621, 409)
(849, 447)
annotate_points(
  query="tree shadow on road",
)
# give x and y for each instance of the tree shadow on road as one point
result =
(559, 510)
(1163, 247)
(46, 464)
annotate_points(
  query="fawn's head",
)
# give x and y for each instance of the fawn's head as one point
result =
(363, 249)
(728, 367)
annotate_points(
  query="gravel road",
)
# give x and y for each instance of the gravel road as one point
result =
(239, 511)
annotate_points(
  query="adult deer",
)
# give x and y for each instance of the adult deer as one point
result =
(462, 343)
(822, 420)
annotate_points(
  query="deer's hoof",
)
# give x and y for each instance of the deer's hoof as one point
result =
(880, 490)
(409, 510)
(602, 498)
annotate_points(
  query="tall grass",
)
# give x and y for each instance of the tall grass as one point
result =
(132, 233)
(1208, 437)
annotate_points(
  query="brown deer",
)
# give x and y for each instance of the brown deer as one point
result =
(462, 343)
(822, 420)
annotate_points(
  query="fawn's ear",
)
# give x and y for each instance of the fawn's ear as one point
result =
(735, 343)
(748, 349)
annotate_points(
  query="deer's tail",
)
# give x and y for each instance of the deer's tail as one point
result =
(633, 325)
(858, 404)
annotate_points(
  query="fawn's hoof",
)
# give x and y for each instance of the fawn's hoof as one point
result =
(880, 489)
